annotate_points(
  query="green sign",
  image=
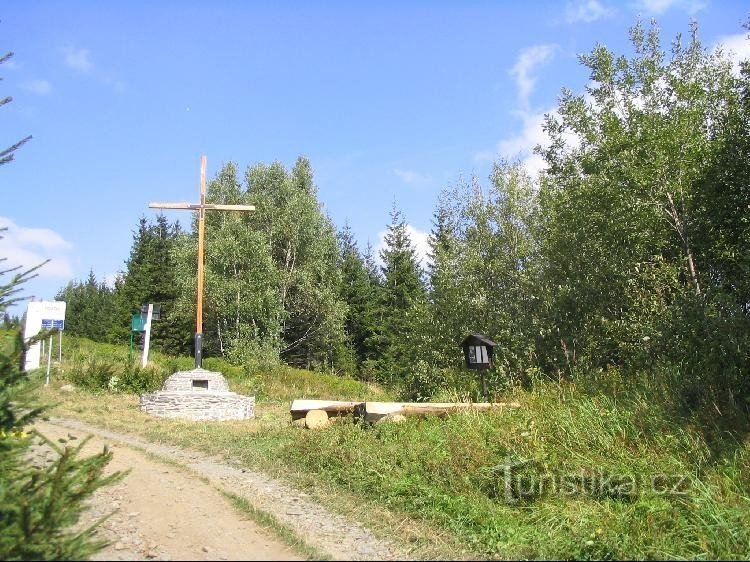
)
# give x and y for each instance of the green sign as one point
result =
(138, 323)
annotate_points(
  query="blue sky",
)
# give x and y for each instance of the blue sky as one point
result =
(388, 100)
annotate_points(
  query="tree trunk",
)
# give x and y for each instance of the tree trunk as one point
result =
(679, 225)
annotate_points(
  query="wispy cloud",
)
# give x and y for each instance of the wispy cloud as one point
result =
(78, 59)
(41, 87)
(411, 177)
(523, 71)
(521, 145)
(110, 279)
(117, 85)
(736, 47)
(658, 7)
(27, 247)
(586, 11)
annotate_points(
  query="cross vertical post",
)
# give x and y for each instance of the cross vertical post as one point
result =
(201, 208)
(201, 233)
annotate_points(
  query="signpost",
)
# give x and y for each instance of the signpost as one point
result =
(141, 322)
(147, 336)
(201, 207)
(43, 315)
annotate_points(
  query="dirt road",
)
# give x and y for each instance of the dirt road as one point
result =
(171, 507)
(163, 512)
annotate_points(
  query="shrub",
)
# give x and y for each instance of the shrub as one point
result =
(97, 374)
(40, 505)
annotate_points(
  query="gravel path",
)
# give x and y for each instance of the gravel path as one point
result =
(170, 514)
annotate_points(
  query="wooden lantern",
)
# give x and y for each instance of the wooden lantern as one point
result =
(479, 351)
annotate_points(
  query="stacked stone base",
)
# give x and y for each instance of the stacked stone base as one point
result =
(199, 405)
(198, 395)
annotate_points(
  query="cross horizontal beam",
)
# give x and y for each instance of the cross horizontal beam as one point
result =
(198, 206)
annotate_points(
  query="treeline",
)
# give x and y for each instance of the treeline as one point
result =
(627, 259)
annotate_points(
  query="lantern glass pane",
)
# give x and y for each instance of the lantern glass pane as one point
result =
(472, 354)
(483, 351)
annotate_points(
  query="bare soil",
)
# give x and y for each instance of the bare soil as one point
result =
(171, 507)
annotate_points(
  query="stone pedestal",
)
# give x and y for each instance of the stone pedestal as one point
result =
(198, 395)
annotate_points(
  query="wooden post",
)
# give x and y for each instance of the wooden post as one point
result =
(201, 207)
(147, 335)
(199, 299)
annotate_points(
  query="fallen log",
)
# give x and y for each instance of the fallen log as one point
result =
(316, 419)
(374, 411)
(333, 408)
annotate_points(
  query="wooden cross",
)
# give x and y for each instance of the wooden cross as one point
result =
(201, 207)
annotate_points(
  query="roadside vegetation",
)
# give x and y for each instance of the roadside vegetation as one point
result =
(576, 472)
(615, 284)
(41, 497)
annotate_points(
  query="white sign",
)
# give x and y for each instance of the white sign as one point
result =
(47, 314)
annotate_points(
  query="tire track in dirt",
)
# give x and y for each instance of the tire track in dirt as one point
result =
(162, 514)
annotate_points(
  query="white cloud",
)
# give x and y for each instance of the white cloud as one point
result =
(28, 247)
(586, 11)
(521, 145)
(110, 278)
(528, 60)
(78, 59)
(410, 177)
(40, 87)
(419, 241)
(658, 7)
(736, 47)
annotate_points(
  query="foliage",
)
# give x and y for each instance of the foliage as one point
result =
(103, 313)
(7, 154)
(489, 478)
(271, 276)
(640, 238)
(359, 290)
(397, 298)
(481, 279)
(150, 278)
(38, 504)
(98, 374)
(89, 308)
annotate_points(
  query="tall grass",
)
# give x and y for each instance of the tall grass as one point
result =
(105, 367)
(575, 472)
(568, 475)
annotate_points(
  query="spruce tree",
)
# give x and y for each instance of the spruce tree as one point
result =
(149, 277)
(89, 308)
(358, 290)
(402, 290)
(38, 504)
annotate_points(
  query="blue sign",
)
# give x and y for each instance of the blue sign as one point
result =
(53, 324)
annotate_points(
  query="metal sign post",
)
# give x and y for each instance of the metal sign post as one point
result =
(49, 361)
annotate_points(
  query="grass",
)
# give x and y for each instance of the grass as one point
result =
(268, 521)
(571, 474)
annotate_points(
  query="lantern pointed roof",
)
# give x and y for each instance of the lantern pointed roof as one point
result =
(477, 338)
